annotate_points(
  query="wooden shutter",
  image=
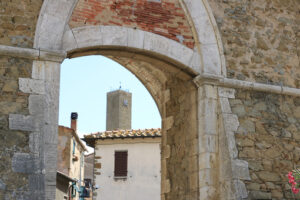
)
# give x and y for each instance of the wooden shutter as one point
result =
(121, 163)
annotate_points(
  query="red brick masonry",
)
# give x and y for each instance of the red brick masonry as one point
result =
(164, 17)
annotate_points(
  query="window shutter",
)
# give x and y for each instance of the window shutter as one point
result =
(121, 163)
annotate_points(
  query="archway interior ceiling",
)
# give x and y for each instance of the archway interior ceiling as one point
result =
(165, 18)
(153, 59)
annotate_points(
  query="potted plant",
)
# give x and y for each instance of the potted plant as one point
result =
(294, 180)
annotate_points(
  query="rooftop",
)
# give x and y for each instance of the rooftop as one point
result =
(122, 134)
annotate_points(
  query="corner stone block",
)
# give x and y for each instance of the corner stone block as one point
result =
(50, 192)
(226, 92)
(34, 143)
(231, 122)
(196, 62)
(25, 163)
(156, 43)
(23, 123)
(36, 104)
(196, 8)
(69, 41)
(207, 161)
(51, 31)
(241, 191)
(50, 133)
(207, 107)
(207, 177)
(166, 186)
(167, 151)
(211, 59)
(240, 169)
(208, 192)
(210, 91)
(36, 182)
(135, 38)
(51, 157)
(168, 122)
(205, 29)
(180, 52)
(225, 106)
(31, 86)
(233, 152)
(208, 144)
(50, 177)
(114, 35)
(47, 71)
(88, 36)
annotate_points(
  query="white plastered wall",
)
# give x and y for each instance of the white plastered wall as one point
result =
(143, 178)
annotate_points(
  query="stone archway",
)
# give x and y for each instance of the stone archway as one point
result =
(191, 122)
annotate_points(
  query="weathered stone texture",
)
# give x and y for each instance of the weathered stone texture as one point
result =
(12, 101)
(166, 18)
(182, 139)
(18, 20)
(268, 138)
(261, 39)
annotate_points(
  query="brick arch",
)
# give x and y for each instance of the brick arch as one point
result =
(180, 120)
(55, 16)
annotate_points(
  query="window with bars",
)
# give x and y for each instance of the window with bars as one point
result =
(121, 163)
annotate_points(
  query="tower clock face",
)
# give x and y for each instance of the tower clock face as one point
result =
(125, 102)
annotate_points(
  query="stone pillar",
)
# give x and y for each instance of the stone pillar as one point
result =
(233, 171)
(208, 141)
(42, 123)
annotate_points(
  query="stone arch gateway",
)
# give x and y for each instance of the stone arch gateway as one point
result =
(190, 163)
(174, 47)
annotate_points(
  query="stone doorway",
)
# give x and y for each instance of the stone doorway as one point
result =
(166, 66)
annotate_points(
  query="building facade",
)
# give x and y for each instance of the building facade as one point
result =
(70, 157)
(89, 173)
(127, 164)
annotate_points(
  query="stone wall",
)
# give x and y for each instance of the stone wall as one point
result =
(17, 27)
(261, 39)
(180, 143)
(12, 183)
(18, 20)
(268, 138)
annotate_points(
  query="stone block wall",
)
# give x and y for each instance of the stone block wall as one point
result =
(261, 39)
(268, 139)
(18, 20)
(180, 143)
(13, 183)
(17, 27)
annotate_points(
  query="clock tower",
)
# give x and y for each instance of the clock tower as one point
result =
(118, 110)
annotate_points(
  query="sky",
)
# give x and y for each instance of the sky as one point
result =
(84, 82)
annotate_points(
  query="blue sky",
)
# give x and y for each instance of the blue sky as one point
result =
(83, 87)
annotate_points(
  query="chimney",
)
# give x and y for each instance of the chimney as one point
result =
(118, 110)
(74, 117)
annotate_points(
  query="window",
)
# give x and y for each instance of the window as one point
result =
(74, 144)
(121, 163)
